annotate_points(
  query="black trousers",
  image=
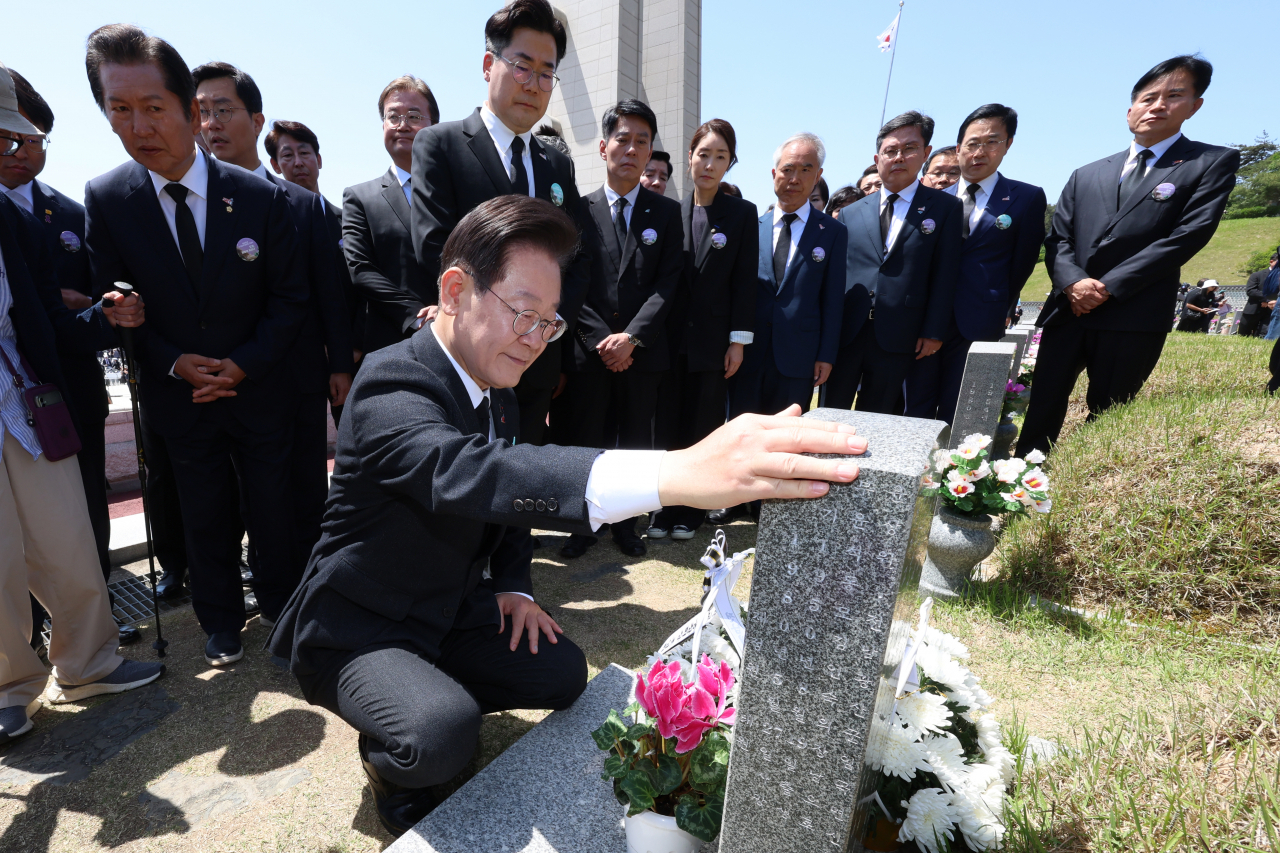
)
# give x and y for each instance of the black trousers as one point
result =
(1274, 385)
(1255, 325)
(759, 388)
(1117, 364)
(1198, 323)
(534, 405)
(168, 536)
(206, 461)
(423, 718)
(863, 362)
(933, 383)
(631, 394)
(691, 406)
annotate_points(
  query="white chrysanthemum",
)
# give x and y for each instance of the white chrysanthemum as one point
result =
(1001, 759)
(988, 732)
(924, 712)
(980, 777)
(930, 818)
(720, 649)
(978, 823)
(979, 698)
(943, 642)
(944, 757)
(893, 750)
(941, 668)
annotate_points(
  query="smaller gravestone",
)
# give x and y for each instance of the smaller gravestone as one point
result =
(986, 372)
(1021, 338)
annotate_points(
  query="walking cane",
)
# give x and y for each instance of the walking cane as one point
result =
(126, 343)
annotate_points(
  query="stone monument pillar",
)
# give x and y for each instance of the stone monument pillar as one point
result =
(833, 596)
(645, 49)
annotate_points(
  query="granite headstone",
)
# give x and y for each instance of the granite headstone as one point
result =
(986, 372)
(833, 593)
(1020, 337)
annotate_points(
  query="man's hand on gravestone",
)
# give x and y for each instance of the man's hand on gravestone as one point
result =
(757, 456)
(525, 615)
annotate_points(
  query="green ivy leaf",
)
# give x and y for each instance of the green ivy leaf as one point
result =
(700, 821)
(665, 775)
(615, 766)
(709, 763)
(614, 729)
(639, 791)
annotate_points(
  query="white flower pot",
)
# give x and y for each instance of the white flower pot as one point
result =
(957, 544)
(654, 833)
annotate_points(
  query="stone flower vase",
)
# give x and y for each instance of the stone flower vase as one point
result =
(957, 544)
(1006, 434)
(648, 832)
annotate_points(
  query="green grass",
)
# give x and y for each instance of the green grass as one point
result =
(1228, 249)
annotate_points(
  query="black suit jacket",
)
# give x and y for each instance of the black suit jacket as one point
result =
(62, 219)
(354, 299)
(47, 330)
(420, 504)
(323, 343)
(633, 286)
(246, 310)
(913, 286)
(718, 295)
(1136, 250)
(379, 249)
(1253, 291)
(455, 169)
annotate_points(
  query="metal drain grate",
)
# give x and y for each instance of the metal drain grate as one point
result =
(133, 600)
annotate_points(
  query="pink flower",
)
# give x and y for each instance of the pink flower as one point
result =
(960, 488)
(686, 711)
(1012, 387)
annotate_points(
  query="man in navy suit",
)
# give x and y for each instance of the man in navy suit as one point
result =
(904, 247)
(213, 250)
(1003, 227)
(800, 282)
(321, 360)
(1123, 228)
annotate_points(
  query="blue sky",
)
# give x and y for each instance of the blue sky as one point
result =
(771, 69)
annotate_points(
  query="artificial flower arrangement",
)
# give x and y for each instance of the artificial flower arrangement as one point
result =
(670, 753)
(971, 485)
(943, 765)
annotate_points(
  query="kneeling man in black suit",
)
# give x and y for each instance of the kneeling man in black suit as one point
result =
(416, 615)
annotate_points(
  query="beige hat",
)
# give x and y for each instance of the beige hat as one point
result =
(10, 119)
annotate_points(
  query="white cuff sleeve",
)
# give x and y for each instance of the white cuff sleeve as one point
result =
(173, 371)
(622, 485)
(741, 337)
(513, 592)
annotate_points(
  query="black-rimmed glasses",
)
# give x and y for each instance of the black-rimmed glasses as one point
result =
(223, 114)
(10, 145)
(527, 321)
(523, 72)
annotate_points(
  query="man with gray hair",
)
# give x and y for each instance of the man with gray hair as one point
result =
(800, 288)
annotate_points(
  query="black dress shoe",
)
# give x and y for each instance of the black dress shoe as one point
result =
(577, 546)
(251, 605)
(632, 546)
(223, 648)
(128, 633)
(728, 515)
(399, 809)
(170, 585)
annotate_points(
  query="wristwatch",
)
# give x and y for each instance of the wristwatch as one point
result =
(634, 341)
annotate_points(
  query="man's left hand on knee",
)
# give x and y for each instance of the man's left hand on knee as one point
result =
(525, 615)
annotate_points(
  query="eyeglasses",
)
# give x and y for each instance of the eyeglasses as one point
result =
(949, 173)
(9, 145)
(526, 321)
(411, 119)
(224, 114)
(907, 151)
(523, 72)
(973, 145)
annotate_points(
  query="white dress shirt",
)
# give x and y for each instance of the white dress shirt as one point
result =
(622, 483)
(797, 228)
(1157, 151)
(261, 172)
(196, 180)
(901, 208)
(612, 197)
(404, 178)
(986, 187)
(22, 196)
(13, 409)
(502, 138)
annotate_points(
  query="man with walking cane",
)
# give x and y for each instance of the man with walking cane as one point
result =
(40, 486)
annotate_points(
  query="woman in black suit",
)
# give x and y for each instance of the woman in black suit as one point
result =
(713, 317)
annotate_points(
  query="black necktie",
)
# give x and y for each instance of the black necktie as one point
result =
(482, 414)
(782, 249)
(620, 222)
(970, 202)
(188, 236)
(1135, 176)
(519, 183)
(886, 218)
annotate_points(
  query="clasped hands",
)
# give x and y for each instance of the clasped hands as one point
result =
(1086, 294)
(211, 377)
(616, 351)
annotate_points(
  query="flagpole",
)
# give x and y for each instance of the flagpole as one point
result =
(892, 53)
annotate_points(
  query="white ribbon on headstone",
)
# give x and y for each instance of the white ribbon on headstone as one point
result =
(717, 586)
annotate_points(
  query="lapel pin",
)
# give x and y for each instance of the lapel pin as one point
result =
(542, 154)
(819, 254)
(1003, 221)
(228, 202)
(1006, 198)
(719, 241)
(69, 241)
(919, 210)
(1176, 163)
(247, 249)
(48, 215)
(557, 195)
(927, 226)
(1163, 192)
(649, 236)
